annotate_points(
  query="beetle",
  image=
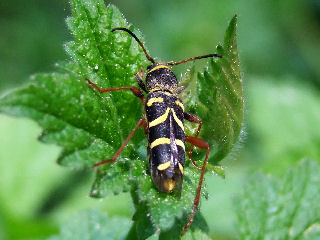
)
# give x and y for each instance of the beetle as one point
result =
(164, 125)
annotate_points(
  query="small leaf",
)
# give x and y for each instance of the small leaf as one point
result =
(215, 95)
(93, 225)
(289, 208)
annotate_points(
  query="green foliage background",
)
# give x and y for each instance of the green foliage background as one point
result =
(279, 62)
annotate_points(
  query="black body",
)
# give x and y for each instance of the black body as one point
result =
(169, 138)
(165, 119)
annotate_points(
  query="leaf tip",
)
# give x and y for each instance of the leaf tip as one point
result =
(233, 23)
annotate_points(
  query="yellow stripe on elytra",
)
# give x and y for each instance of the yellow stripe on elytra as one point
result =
(164, 91)
(167, 93)
(154, 100)
(164, 166)
(180, 143)
(179, 104)
(177, 119)
(159, 67)
(160, 119)
(164, 117)
(159, 141)
(180, 167)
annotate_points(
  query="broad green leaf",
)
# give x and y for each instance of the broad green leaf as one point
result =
(90, 127)
(215, 95)
(93, 225)
(270, 208)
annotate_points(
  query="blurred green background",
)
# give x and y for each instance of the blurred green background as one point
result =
(279, 47)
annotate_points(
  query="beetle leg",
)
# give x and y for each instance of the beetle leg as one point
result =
(139, 78)
(141, 122)
(193, 118)
(204, 145)
(136, 91)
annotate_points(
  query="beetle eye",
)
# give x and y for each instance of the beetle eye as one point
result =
(149, 67)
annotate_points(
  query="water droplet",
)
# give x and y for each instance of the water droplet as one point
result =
(94, 192)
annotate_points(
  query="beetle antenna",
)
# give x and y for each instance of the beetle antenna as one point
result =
(137, 39)
(195, 58)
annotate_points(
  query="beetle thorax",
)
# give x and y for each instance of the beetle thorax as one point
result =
(161, 77)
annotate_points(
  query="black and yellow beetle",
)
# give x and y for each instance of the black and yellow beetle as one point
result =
(164, 125)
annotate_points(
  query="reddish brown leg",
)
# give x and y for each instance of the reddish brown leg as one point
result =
(193, 118)
(204, 145)
(144, 125)
(142, 122)
(136, 91)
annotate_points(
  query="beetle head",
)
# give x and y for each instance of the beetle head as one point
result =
(160, 77)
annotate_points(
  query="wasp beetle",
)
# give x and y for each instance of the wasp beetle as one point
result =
(164, 125)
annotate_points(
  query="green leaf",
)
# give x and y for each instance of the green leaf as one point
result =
(90, 127)
(93, 225)
(196, 235)
(219, 170)
(270, 208)
(169, 212)
(215, 95)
